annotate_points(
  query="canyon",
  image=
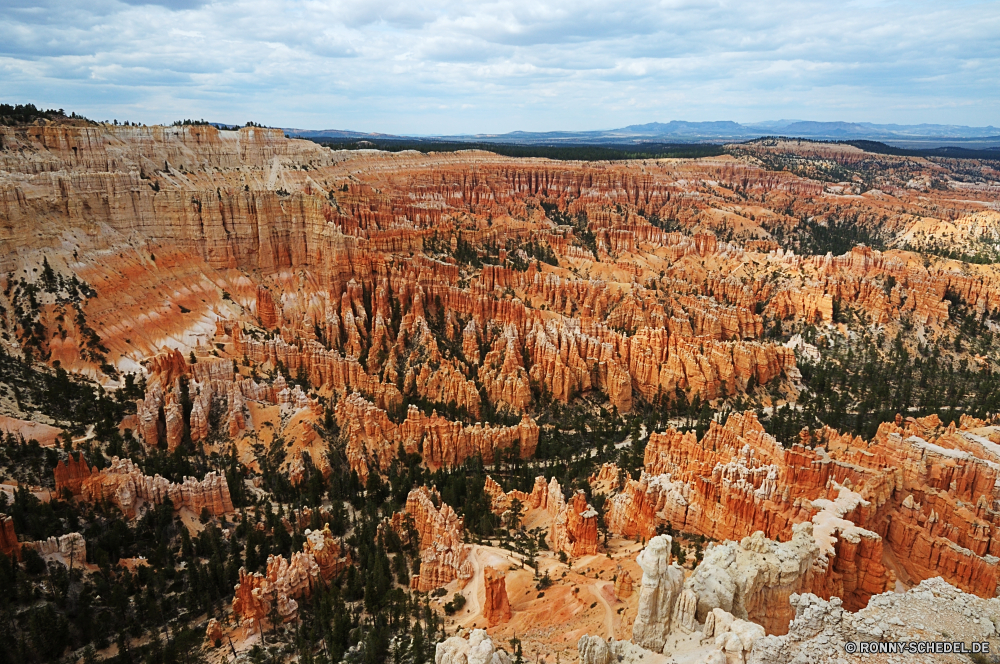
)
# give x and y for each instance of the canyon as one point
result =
(622, 409)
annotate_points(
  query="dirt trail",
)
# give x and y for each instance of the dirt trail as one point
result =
(609, 615)
(474, 592)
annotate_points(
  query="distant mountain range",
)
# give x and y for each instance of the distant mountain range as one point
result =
(679, 131)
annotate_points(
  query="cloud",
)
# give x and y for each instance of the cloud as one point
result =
(500, 65)
(174, 5)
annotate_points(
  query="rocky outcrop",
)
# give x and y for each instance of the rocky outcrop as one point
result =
(213, 632)
(160, 415)
(820, 629)
(123, 484)
(71, 474)
(374, 438)
(273, 595)
(851, 563)
(173, 417)
(324, 368)
(496, 609)
(661, 588)
(46, 435)
(267, 311)
(70, 548)
(608, 480)
(9, 546)
(734, 638)
(753, 579)
(500, 502)
(725, 487)
(443, 554)
(595, 650)
(683, 310)
(932, 611)
(623, 584)
(326, 551)
(574, 526)
(738, 478)
(369, 276)
(573, 529)
(260, 598)
(477, 649)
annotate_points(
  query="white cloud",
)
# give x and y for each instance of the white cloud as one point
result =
(446, 67)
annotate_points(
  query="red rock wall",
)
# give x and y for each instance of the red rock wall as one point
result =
(71, 474)
(9, 545)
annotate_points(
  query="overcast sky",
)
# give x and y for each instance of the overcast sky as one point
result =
(467, 67)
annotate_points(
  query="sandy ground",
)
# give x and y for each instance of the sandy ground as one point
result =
(45, 434)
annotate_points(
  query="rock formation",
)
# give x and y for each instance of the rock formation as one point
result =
(595, 650)
(574, 526)
(9, 545)
(257, 596)
(477, 649)
(500, 502)
(213, 632)
(496, 609)
(71, 548)
(754, 578)
(443, 554)
(160, 416)
(268, 215)
(661, 588)
(71, 474)
(474, 287)
(931, 611)
(123, 484)
(734, 638)
(326, 551)
(372, 435)
(623, 584)
(738, 480)
(607, 480)
(46, 435)
(272, 596)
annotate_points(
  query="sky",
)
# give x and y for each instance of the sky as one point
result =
(412, 67)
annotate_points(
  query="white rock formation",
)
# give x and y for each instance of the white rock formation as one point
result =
(754, 578)
(734, 638)
(662, 584)
(932, 611)
(70, 546)
(595, 650)
(477, 649)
